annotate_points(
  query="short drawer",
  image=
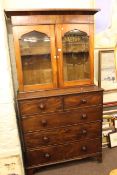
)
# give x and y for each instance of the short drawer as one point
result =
(43, 105)
(63, 135)
(44, 122)
(82, 100)
(59, 153)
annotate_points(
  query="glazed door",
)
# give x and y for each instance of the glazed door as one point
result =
(35, 57)
(74, 54)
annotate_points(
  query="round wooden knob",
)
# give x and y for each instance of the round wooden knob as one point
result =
(83, 101)
(84, 116)
(84, 148)
(84, 131)
(47, 155)
(44, 122)
(46, 139)
(42, 106)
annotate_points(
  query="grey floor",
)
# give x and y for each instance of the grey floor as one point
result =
(85, 166)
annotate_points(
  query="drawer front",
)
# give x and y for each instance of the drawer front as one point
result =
(43, 122)
(43, 105)
(82, 100)
(55, 154)
(63, 135)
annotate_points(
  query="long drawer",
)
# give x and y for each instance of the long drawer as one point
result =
(63, 135)
(59, 153)
(82, 100)
(54, 120)
(41, 105)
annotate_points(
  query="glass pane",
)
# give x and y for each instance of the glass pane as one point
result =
(76, 55)
(36, 58)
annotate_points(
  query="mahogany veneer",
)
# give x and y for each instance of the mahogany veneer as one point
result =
(65, 132)
(60, 108)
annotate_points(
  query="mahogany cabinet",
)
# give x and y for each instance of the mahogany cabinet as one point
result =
(60, 108)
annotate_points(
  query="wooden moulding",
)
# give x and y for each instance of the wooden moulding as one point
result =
(19, 12)
(50, 19)
(50, 16)
(57, 92)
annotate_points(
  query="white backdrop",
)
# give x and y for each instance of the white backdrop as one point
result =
(13, 4)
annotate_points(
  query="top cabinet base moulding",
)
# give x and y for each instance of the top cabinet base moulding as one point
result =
(60, 108)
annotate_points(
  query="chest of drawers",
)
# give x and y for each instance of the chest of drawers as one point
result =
(60, 125)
